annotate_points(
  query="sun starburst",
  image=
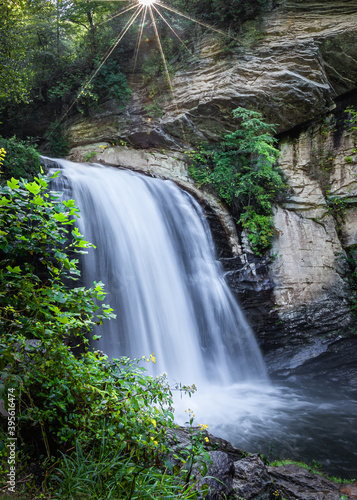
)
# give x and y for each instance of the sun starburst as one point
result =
(145, 9)
(146, 2)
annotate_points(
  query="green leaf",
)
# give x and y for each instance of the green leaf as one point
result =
(13, 184)
(4, 201)
(33, 187)
(69, 203)
(14, 270)
(60, 217)
(38, 200)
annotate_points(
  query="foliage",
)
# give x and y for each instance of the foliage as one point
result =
(14, 78)
(351, 121)
(337, 207)
(21, 160)
(153, 110)
(58, 143)
(98, 427)
(90, 155)
(109, 82)
(241, 169)
(231, 14)
(114, 473)
(194, 453)
(48, 51)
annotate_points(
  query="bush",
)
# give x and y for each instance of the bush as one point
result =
(21, 161)
(242, 170)
(96, 428)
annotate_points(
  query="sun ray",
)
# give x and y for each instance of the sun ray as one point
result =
(139, 38)
(142, 6)
(171, 28)
(161, 49)
(166, 68)
(117, 41)
(221, 32)
(119, 13)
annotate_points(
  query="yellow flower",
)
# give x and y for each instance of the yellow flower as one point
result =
(203, 426)
(155, 443)
(153, 421)
(206, 439)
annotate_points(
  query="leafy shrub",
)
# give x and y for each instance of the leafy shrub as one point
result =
(241, 169)
(21, 160)
(79, 414)
(58, 143)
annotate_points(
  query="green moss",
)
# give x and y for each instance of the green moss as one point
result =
(310, 468)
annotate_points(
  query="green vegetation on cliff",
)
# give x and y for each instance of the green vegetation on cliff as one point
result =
(241, 168)
(51, 50)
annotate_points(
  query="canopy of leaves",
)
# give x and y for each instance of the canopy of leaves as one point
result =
(241, 169)
(48, 52)
(226, 14)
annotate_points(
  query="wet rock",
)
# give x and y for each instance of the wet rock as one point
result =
(337, 364)
(255, 481)
(293, 482)
(219, 478)
(251, 480)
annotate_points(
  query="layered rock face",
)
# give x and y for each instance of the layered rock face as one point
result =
(291, 65)
(318, 231)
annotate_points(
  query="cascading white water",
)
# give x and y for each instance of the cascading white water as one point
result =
(156, 256)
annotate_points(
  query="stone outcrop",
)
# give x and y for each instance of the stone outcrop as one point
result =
(318, 232)
(252, 480)
(235, 475)
(290, 65)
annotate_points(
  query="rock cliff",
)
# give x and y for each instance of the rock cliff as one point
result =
(298, 66)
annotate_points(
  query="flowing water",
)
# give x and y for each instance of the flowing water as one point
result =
(156, 256)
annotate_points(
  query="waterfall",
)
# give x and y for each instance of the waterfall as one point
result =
(156, 256)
